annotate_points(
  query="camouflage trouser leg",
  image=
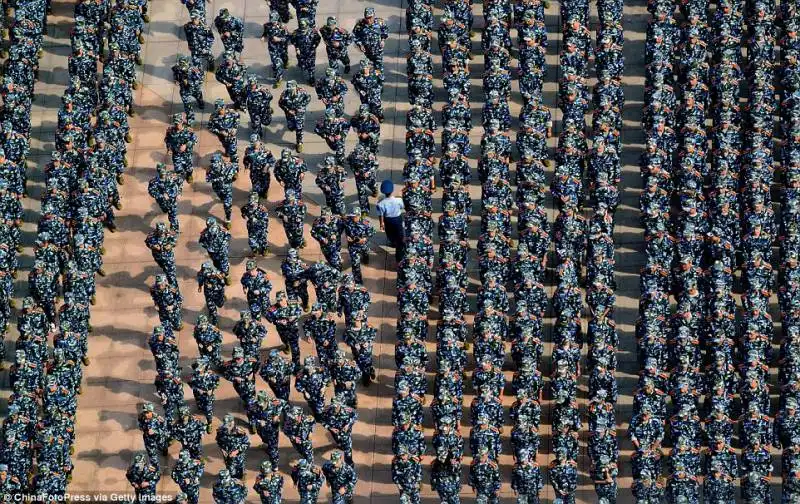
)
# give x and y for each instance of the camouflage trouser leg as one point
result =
(175, 318)
(333, 57)
(269, 436)
(246, 391)
(336, 203)
(195, 449)
(299, 133)
(316, 405)
(364, 361)
(213, 311)
(364, 193)
(376, 107)
(308, 497)
(225, 194)
(305, 449)
(294, 234)
(409, 495)
(183, 164)
(235, 465)
(607, 491)
(327, 298)
(337, 498)
(168, 266)
(84, 340)
(291, 338)
(49, 306)
(340, 154)
(214, 355)
(260, 183)
(221, 262)
(266, 119)
(256, 124)
(376, 57)
(257, 306)
(231, 148)
(251, 348)
(308, 67)
(153, 451)
(282, 8)
(333, 255)
(356, 256)
(280, 391)
(278, 58)
(113, 195)
(345, 443)
(347, 396)
(188, 105)
(170, 409)
(254, 242)
(192, 493)
(172, 216)
(205, 404)
(326, 354)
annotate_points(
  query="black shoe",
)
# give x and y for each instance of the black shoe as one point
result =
(347, 69)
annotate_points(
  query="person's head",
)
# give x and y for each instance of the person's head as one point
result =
(387, 187)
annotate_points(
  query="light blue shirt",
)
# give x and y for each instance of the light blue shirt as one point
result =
(390, 207)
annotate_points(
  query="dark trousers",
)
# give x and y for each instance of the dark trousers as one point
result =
(394, 232)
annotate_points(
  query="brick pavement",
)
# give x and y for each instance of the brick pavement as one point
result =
(122, 371)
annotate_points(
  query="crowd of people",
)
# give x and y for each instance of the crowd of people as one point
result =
(579, 244)
(82, 193)
(707, 211)
(336, 294)
(78, 202)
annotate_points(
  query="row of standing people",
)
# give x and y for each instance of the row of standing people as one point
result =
(720, 177)
(492, 326)
(80, 196)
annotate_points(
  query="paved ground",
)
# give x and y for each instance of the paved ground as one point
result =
(122, 371)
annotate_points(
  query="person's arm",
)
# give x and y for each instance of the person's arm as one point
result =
(379, 209)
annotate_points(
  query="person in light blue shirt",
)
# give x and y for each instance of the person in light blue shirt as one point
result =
(390, 214)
